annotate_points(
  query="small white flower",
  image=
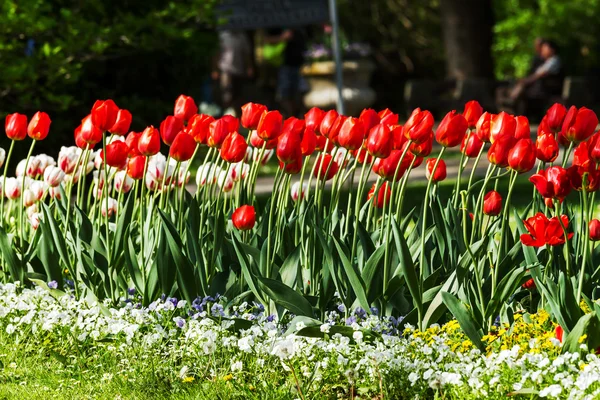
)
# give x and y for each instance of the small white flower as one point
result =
(551, 391)
(236, 366)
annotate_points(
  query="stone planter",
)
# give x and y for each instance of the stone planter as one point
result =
(323, 90)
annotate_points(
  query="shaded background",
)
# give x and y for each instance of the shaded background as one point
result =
(59, 56)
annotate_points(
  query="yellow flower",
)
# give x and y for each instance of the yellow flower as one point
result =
(582, 338)
(188, 379)
(227, 377)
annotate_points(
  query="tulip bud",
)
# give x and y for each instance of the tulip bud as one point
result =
(502, 124)
(251, 113)
(149, 142)
(594, 147)
(258, 143)
(55, 192)
(440, 172)
(581, 155)
(15, 126)
(170, 128)
(34, 218)
(451, 130)
(387, 117)
(265, 158)
(369, 118)
(498, 151)
(325, 167)
(104, 114)
(298, 191)
(351, 134)
(471, 145)
(122, 123)
(555, 117)
(135, 167)
(183, 147)
(207, 174)
(244, 218)
(418, 127)
(198, 127)
(239, 171)
(522, 130)
(398, 139)
(13, 188)
(309, 142)
(2, 156)
(39, 126)
(234, 147)
(233, 124)
(293, 167)
(334, 131)
(579, 125)
(521, 157)
(529, 284)
(594, 226)
(89, 134)
(472, 113)
(546, 147)
(289, 147)
(421, 150)
(53, 176)
(109, 209)
(327, 122)
(383, 195)
(116, 154)
(123, 182)
(217, 132)
(492, 203)
(185, 108)
(390, 167)
(270, 125)
(379, 141)
(313, 118)
(483, 127)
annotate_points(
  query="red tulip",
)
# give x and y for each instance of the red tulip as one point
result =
(471, 145)
(309, 142)
(529, 284)
(594, 147)
(39, 126)
(293, 124)
(492, 203)
(170, 128)
(552, 183)
(289, 147)
(558, 333)
(132, 140)
(251, 113)
(451, 130)
(217, 132)
(185, 108)
(313, 118)
(233, 124)
(546, 147)
(258, 143)
(579, 125)
(135, 167)
(483, 127)
(581, 155)
(116, 154)
(383, 195)
(544, 231)
(122, 124)
(244, 218)
(327, 122)
(362, 156)
(521, 157)
(379, 141)
(352, 134)
(334, 131)
(369, 118)
(419, 125)
(104, 114)
(387, 117)
(472, 113)
(498, 151)
(89, 133)
(198, 127)
(386, 167)
(398, 138)
(502, 124)
(321, 142)
(15, 126)
(183, 147)
(149, 143)
(234, 148)
(594, 226)
(522, 131)
(78, 141)
(270, 124)
(588, 177)
(555, 117)
(325, 167)
(293, 167)
(440, 172)
(423, 149)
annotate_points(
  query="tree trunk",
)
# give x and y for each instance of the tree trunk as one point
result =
(467, 29)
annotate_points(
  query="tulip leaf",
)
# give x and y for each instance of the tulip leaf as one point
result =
(437, 307)
(17, 272)
(290, 267)
(132, 265)
(245, 265)
(504, 291)
(285, 296)
(123, 222)
(408, 267)
(46, 253)
(372, 272)
(356, 282)
(588, 325)
(464, 318)
(59, 238)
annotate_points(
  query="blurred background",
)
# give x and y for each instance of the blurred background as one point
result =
(59, 56)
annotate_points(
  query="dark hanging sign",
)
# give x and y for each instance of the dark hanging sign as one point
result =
(254, 14)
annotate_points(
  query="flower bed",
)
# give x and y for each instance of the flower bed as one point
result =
(198, 344)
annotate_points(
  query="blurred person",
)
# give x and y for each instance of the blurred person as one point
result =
(233, 67)
(290, 83)
(537, 59)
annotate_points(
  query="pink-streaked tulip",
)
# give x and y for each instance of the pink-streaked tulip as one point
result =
(123, 182)
(369, 118)
(2, 156)
(12, 190)
(109, 207)
(522, 131)
(185, 108)
(104, 114)
(471, 145)
(419, 125)
(251, 113)
(379, 141)
(483, 127)
(546, 147)
(579, 124)
(313, 118)
(553, 182)
(325, 167)
(67, 158)
(15, 126)
(594, 226)
(270, 125)
(521, 156)
(502, 124)
(170, 128)
(39, 126)
(122, 123)
(492, 203)
(53, 176)
(472, 113)
(149, 142)
(244, 218)
(135, 167)
(440, 172)
(183, 147)
(452, 130)
(298, 191)
(234, 147)
(555, 117)
(55, 193)
(352, 134)
(383, 195)
(239, 171)
(34, 219)
(207, 174)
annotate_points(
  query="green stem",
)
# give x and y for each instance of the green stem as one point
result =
(10, 150)
(22, 228)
